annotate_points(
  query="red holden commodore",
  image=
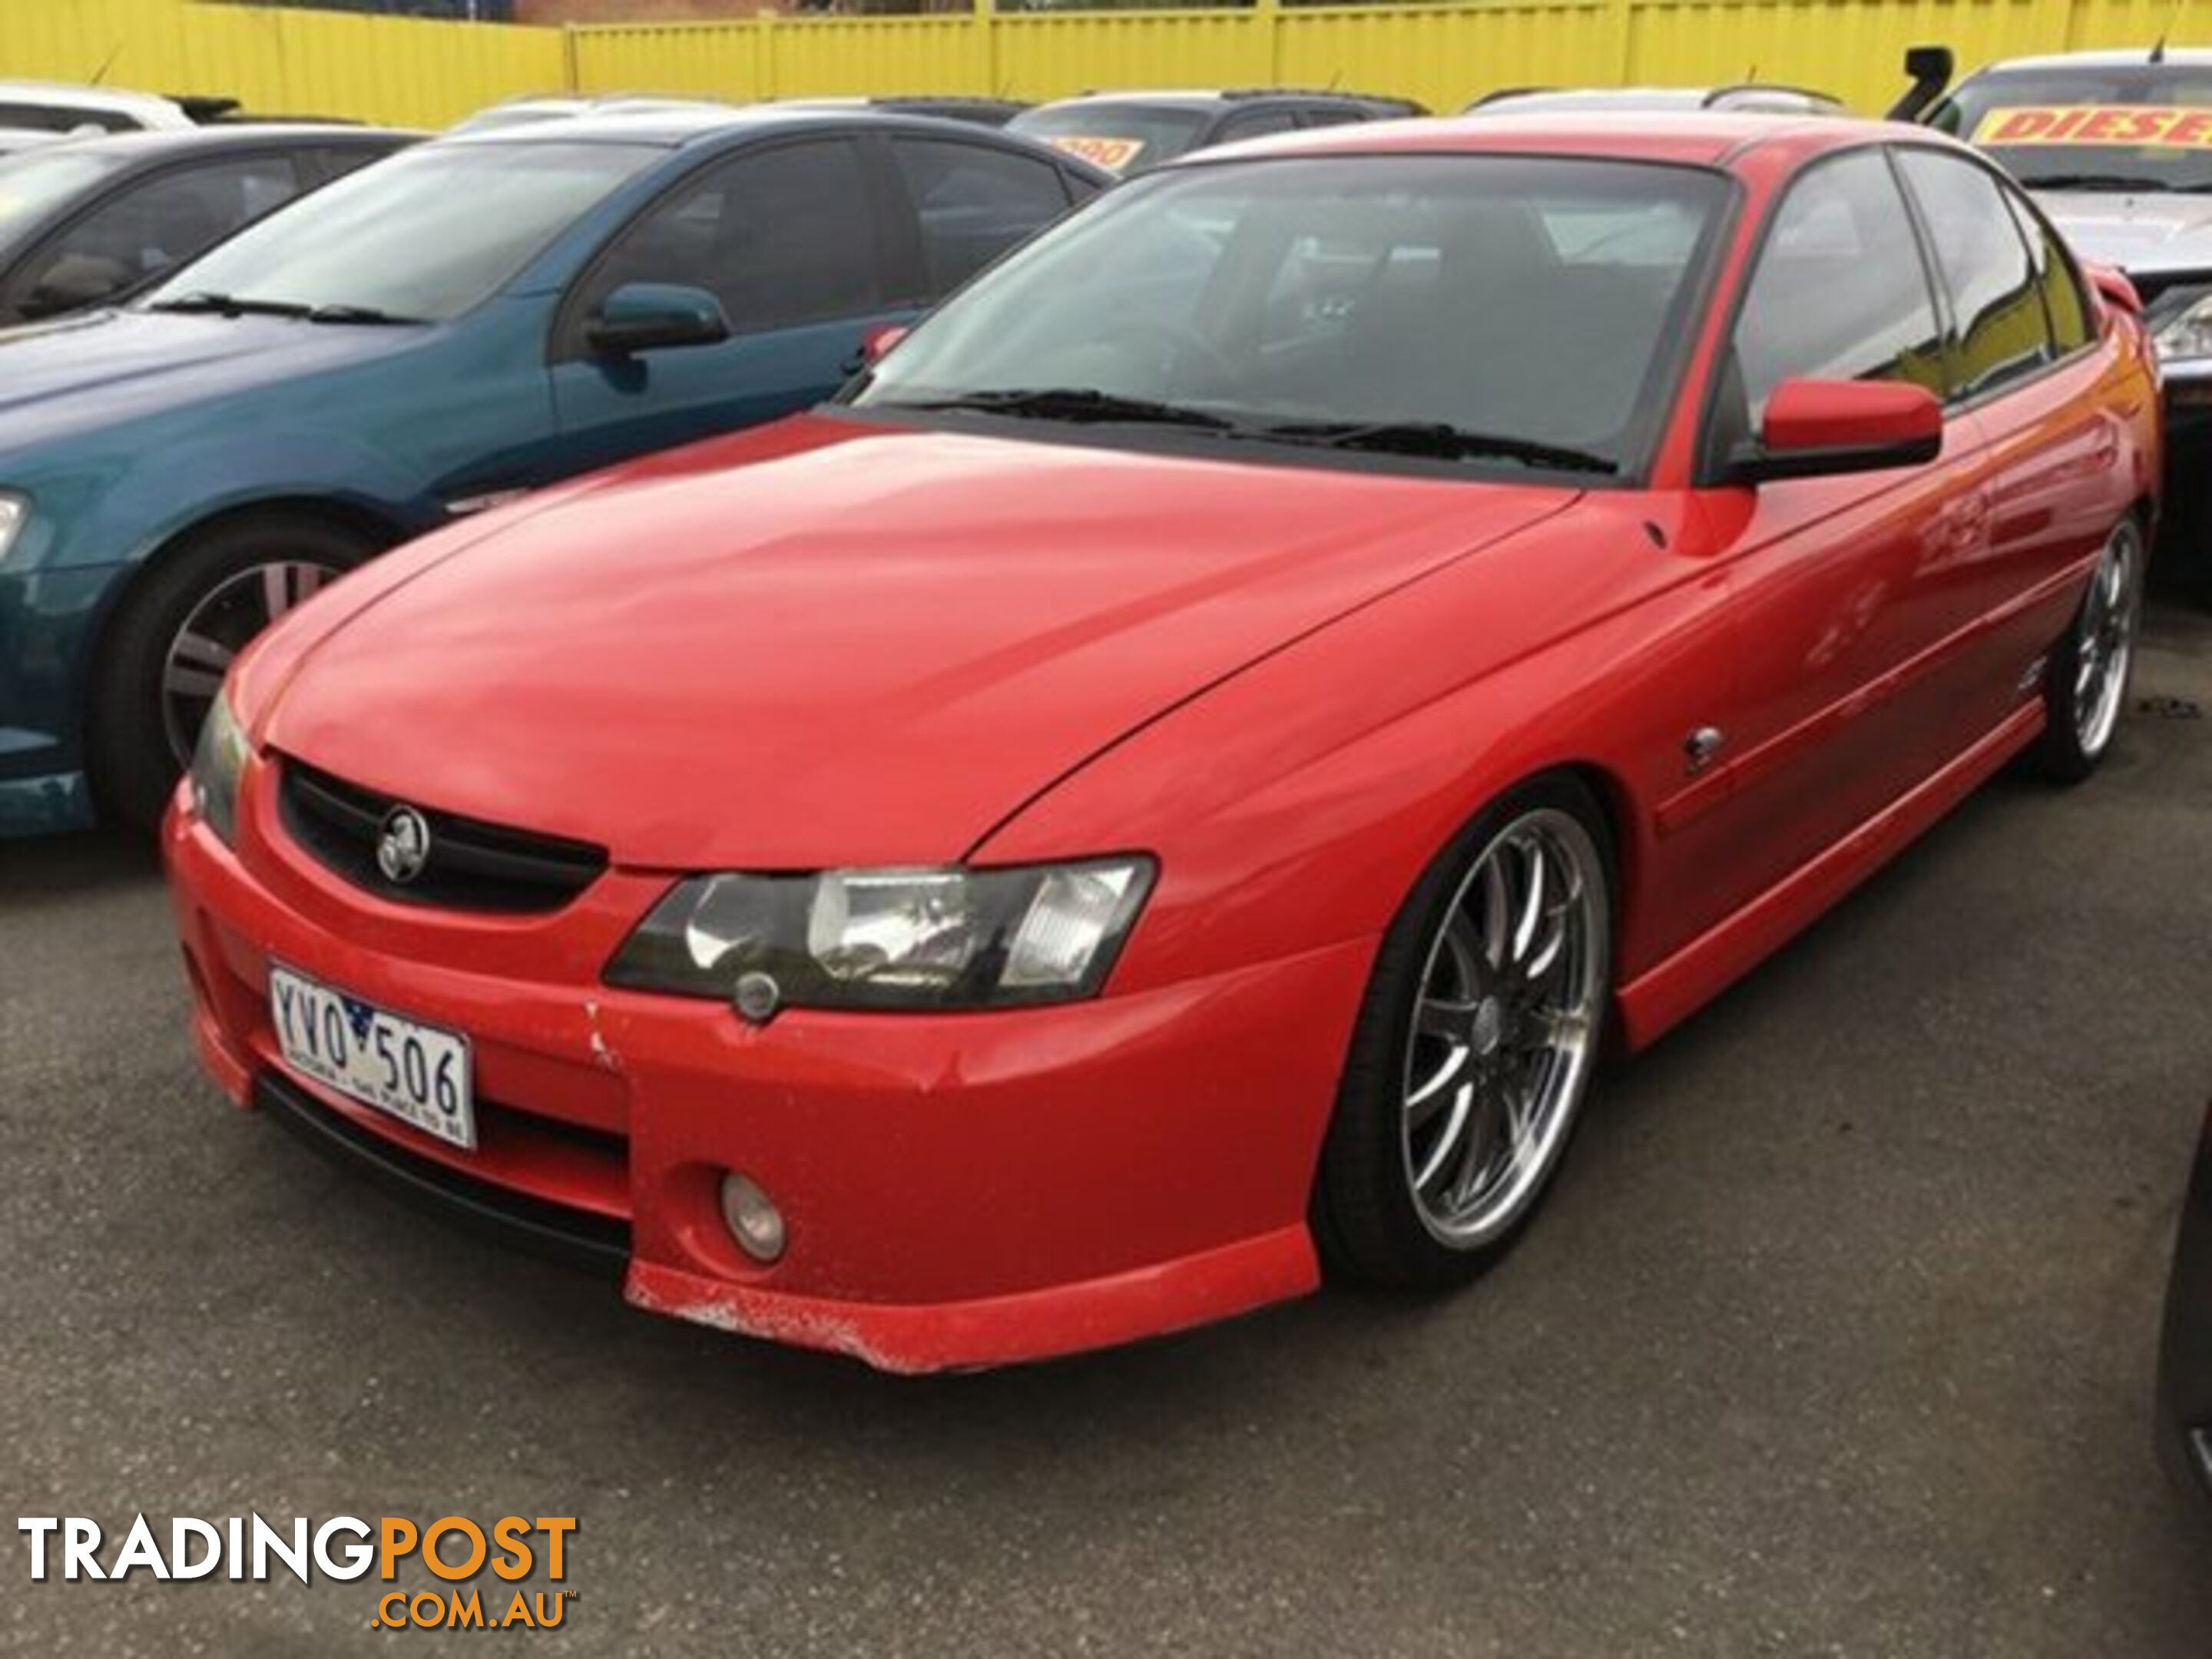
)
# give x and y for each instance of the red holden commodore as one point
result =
(1170, 784)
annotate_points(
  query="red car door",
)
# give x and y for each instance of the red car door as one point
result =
(2027, 361)
(1843, 587)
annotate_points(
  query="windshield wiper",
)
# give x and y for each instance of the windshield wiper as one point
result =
(1071, 403)
(366, 316)
(1438, 440)
(230, 305)
(2115, 182)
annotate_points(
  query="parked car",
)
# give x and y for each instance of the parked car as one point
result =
(85, 221)
(471, 319)
(58, 107)
(946, 106)
(1177, 776)
(1745, 98)
(1127, 132)
(2117, 148)
(15, 140)
(2184, 1365)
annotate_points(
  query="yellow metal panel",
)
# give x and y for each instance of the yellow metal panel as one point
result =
(283, 60)
(1446, 57)
(1052, 54)
(878, 55)
(711, 60)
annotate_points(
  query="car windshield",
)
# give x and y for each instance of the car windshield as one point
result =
(35, 183)
(1466, 310)
(1120, 137)
(422, 236)
(2124, 126)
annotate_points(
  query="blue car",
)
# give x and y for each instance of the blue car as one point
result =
(466, 320)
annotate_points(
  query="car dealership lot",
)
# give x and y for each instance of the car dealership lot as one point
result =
(1837, 1338)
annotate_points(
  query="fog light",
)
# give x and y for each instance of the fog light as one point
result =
(755, 1223)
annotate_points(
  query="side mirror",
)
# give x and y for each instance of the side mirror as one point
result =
(1820, 429)
(1929, 69)
(655, 316)
(879, 342)
(2114, 289)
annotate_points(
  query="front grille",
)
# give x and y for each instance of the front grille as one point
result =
(472, 865)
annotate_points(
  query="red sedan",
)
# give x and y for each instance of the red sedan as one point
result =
(1171, 782)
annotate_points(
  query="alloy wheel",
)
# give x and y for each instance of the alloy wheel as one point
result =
(1505, 1030)
(2106, 643)
(216, 629)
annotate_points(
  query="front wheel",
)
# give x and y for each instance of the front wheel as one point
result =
(1476, 1045)
(186, 617)
(2085, 683)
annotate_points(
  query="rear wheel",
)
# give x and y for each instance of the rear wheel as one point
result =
(178, 631)
(1475, 1046)
(2085, 683)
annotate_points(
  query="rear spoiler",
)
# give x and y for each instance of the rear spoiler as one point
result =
(1930, 68)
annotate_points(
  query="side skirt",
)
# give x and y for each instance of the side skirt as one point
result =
(1663, 997)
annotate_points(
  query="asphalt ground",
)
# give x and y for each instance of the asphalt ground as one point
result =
(1838, 1336)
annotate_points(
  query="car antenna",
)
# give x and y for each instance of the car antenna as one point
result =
(100, 76)
(2158, 52)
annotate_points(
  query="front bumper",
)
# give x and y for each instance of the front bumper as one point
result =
(959, 1190)
(2184, 1365)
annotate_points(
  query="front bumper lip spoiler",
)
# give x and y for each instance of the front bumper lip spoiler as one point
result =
(599, 1244)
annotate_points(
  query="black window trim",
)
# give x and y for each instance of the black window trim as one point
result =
(1714, 439)
(897, 237)
(2006, 188)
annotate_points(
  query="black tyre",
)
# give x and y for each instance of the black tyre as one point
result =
(192, 611)
(1474, 1046)
(2085, 682)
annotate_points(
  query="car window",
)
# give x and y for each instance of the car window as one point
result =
(1123, 138)
(780, 236)
(2087, 126)
(1522, 300)
(1840, 291)
(149, 229)
(2064, 306)
(47, 118)
(1256, 124)
(1996, 306)
(1330, 115)
(329, 162)
(972, 203)
(466, 215)
(40, 185)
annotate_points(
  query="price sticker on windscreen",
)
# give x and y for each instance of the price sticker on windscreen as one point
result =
(1114, 155)
(2145, 126)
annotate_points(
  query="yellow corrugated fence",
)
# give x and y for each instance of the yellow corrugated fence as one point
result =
(289, 60)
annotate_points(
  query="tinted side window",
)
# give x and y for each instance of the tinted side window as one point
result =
(44, 118)
(1839, 291)
(1330, 115)
(150, 228)
(1996, 303)
(973, 203)
(780, 236)
(1255, 123)
(2064, 306)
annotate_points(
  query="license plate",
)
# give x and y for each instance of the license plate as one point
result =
(418, 1073)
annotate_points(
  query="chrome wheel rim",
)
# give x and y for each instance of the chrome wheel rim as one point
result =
(1505, 1030)
(2106, 641)
(229, 615)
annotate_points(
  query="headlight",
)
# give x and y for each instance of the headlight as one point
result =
(934, 938)
(2185, 335)
(217, 764)
(15, 512)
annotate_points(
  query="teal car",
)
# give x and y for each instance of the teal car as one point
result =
(470, 319)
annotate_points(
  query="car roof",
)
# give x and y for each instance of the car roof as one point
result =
(1704, 138)
(673, 128)
(66, 95)
(1740, 97)
(1214, 97)
(159, 145)
(2136, 58)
